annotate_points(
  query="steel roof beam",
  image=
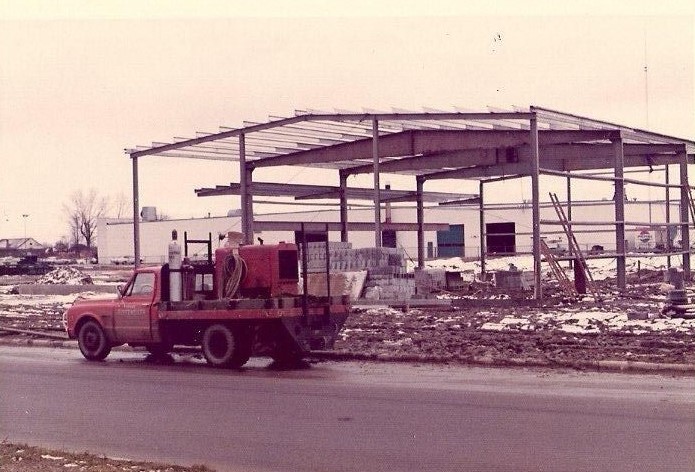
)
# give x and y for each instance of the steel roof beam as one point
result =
(319, 132)
(477, 172)
(553, 164)
(290, 132)
(336, 226)
(186, 155)
(420, 116)
(461, 158)
(406, 143)
(417, 142)
(472, 157)
(217, 136)
(349, 126)
(628, 132)
(310, 191)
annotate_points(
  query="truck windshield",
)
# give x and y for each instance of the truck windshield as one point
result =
(142, 285)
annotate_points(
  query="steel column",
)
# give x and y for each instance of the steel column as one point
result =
(685, 226)
(569, 216)
(243, 191)
(668, 217)
(619, 202)
(377, 188)
(136, 212)
(420, 182)
(536, 213)
(343, 208)
(249, 203)
(483, 248)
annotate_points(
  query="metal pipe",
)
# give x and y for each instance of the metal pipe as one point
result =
(536, 214)
(607, 223)
(249, 203)
(503, 178)
(605, 179)
(343, 208)
(483, 248)
(420, 217)
(305, 277)
(668, 216)
(377, 188)
(685, 202)
(328, 270)
(619, 201)
(136, 212)
(569, 215)
(243, 185)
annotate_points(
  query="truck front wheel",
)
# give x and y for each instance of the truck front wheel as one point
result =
(93, 342)
(223, 347)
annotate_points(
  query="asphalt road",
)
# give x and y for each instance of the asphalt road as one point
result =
(350, 416)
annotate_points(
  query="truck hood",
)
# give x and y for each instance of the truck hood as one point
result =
(99, 299)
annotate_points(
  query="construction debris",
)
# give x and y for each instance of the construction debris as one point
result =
(65, 276)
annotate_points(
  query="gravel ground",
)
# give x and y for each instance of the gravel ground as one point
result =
(23, 458)
(488, 324)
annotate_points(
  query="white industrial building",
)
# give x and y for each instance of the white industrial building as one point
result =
(453, 230)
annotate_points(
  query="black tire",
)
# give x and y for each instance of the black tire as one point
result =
(224, 347)
(93, 342)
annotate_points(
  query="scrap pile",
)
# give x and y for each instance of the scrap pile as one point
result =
(65, 276)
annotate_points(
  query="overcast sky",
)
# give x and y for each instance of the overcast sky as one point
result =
(81, 81)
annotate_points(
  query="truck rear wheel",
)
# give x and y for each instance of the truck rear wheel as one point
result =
(93, 342)
(223, 347)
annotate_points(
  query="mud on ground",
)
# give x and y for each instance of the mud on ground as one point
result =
(506, 326)
(486, 323)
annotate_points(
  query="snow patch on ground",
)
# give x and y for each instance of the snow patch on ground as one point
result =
(600, 268)
(589, 322)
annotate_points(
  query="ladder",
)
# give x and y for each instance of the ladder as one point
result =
(565, 283)
(691, 206)
(573, 246)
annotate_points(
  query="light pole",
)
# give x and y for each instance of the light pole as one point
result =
(25, 216)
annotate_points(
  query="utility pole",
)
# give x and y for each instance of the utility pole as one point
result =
(25, 216)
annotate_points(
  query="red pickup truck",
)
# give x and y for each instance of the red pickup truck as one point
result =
(245, 303)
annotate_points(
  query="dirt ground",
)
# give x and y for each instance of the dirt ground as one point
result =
(483, 322)
(462, 333)
(23, 458)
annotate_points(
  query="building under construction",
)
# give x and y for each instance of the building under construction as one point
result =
(489, 147)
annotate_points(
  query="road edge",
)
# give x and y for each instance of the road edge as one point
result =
(482, 361)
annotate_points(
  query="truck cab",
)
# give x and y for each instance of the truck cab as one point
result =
(128, 318)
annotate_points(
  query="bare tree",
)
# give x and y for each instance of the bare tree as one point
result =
(74, 224)
(83, 210)
(122, 206)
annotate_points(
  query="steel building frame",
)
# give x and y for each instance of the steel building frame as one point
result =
(490, 146)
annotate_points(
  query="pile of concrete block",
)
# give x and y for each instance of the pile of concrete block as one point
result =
(429, 280)
(387, 277)
(389, 287)
(343, 258)
(510, 279)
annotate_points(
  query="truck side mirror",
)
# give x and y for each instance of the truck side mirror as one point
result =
(120, 290)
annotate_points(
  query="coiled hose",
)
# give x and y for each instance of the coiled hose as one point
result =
(234, 273)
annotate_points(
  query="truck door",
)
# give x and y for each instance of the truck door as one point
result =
(131, 317)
